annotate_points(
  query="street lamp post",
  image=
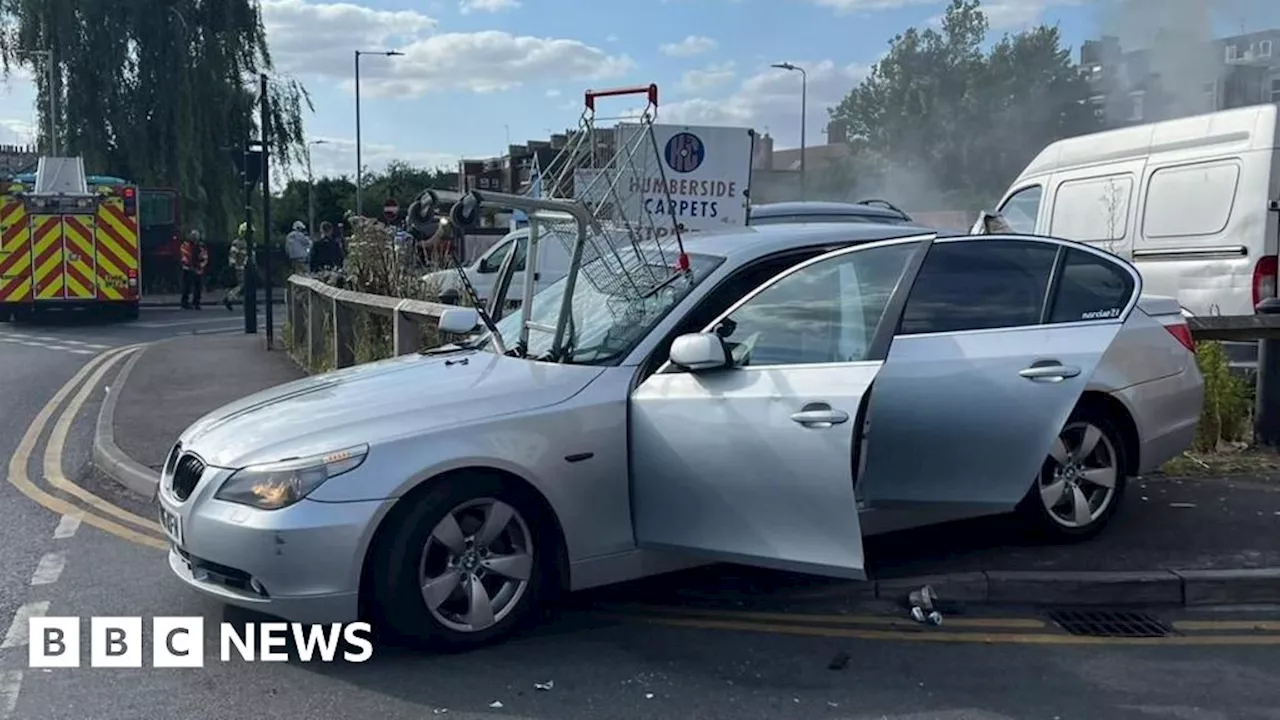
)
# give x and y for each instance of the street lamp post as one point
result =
(359, 167)
(311, 189)
(53, 97)
(804, 105)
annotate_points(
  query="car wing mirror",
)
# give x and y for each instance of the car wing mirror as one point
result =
(698, 352)
(459, 321)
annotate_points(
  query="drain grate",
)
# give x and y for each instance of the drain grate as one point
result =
(1110, 623)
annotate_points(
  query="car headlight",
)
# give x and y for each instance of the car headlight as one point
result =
(277, 485)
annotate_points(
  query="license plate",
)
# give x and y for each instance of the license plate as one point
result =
(172, 525)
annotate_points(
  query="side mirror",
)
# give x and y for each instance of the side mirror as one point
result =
(459, 321)
(700, 351)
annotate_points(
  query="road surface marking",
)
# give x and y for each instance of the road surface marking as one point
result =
(714, 614)
(56, 446)
(49, 569)
(22, 456)
(19, 631)
(203, 321)
(10, 684)
(1227, 625)
(68, 526)
(925, 634)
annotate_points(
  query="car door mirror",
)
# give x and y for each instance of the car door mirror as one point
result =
(699, 351)
(459, 321)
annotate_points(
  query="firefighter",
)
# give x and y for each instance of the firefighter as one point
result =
(195, 259)
(238, 259)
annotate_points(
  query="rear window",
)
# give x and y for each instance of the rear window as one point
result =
(156, 208)
(833, 218)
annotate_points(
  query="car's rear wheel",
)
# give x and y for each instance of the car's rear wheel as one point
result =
(1081, 482)
(465, 566)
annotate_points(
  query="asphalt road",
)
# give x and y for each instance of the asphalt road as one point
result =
(599, 659)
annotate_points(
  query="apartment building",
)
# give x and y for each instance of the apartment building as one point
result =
(1180, 75)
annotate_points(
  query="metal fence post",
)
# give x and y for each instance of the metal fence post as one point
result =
(344, 335)
(297, 328)
(315, 327)
(405, 333)
(1266, 426)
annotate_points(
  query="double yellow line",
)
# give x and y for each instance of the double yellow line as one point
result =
(1014, 630)
(95, 511)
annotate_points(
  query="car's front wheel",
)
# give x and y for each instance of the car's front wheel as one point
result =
(464, 566)
(1081, 481)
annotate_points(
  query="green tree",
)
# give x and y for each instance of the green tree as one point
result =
(160, 91)
(942, 124)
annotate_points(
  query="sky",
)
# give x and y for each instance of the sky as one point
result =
(477, 74)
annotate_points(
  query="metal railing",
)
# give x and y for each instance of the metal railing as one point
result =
(323, 319)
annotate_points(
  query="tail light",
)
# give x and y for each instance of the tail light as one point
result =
(1183, 333)
(133, 278)
(1264, 279)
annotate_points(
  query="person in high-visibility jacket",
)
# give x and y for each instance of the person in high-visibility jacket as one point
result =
(238, 259)
(195, 259)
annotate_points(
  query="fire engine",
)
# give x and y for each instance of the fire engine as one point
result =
(65, 244)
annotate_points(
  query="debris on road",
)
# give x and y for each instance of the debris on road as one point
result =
(1182, 505)
(496, 704)
(544, 686)
(839, 662)
(922, 609)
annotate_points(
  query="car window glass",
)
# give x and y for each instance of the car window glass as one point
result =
(493, 262)
(522, 251)
(824, 313)
(979, 284)
(1022, 208)
(1090, 288)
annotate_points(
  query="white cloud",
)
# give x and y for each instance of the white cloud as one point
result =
(17, 132)
(489, 6)
(770, 100)
(708, 78)
(319, 39)
(692, 45)
(337, 156)
(1001, 14)
(553, 92)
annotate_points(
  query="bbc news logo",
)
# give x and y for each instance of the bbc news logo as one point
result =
(179, 642)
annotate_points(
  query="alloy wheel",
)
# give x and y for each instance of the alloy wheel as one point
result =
(1078, 481)
(476, 565)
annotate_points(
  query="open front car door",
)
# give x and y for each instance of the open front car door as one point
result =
(743, 446)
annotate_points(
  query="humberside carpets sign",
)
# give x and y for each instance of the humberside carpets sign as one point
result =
(703, 179)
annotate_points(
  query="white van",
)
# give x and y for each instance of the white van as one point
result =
(1194, 203)
(553, 264)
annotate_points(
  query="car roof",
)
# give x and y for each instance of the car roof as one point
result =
(813, 207)
(746, 243)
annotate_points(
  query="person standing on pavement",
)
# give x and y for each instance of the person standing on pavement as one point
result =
(195, 259)
(238, 259)
(297, 244)
(327, 252)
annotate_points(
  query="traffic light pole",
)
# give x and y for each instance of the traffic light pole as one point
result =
(249, 278)
(266, 203)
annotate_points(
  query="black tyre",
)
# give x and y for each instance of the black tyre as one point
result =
(131, 312)
(6, 315)
(1082, 481)
(472, 560)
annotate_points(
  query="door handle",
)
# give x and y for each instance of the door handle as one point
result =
(820, 416)
(1049, 373)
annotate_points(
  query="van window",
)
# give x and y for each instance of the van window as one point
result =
(1022, 209)
(1093, 210)
(493, 263)
(1190, 200)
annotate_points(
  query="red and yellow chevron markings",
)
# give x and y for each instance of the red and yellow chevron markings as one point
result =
(80, 267)
(15, 251)
(117, 235)
(47, 234)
